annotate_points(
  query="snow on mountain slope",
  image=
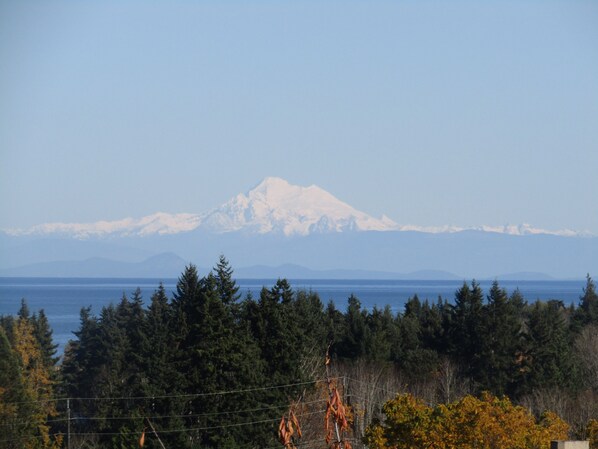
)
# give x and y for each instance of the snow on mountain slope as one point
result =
(522, 229)
(277, 206)
(158, 223)
(273, 206)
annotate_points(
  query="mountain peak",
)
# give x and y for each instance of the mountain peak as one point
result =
(275, 205)
(271, 182)
(272, 206)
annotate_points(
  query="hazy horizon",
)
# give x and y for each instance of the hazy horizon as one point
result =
(433, 114)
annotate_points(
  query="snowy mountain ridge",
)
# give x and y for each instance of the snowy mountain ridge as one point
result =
(273, 206)
(276, 206)
(158, 223)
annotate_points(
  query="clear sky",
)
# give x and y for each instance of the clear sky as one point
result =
(433, 113)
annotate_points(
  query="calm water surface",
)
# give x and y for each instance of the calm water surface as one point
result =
(63, 298)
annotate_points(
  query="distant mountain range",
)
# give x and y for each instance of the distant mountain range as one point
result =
(169, 266)
(280, 230)
(273, 207)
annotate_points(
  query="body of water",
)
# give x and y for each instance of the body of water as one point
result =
(63, 298)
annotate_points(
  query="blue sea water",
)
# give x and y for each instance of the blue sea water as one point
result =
(63, 298)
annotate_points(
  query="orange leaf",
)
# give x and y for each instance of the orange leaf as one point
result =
(295, 421)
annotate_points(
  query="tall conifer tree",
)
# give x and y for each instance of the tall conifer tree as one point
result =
(466, 331)
(501, 342)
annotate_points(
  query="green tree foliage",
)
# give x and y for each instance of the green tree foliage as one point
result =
(80, 364)
(415, 356)
(587, 312)
(226, 286)
(501, 344)
(205, 363)
(467, 332)
(43, 334)
(159, 377)
(382, 337)
(334, 324)
(548, 351)
(355, 335)
(275, 328)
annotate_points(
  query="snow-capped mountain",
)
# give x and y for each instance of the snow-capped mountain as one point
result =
(252, 229)
(274, 205)
(522, 229)
(158, 223)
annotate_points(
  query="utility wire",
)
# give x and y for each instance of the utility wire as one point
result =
(386, 390)
(173, 416)
(191, 395)
(234, 412)
(194, 429)
(30, 437)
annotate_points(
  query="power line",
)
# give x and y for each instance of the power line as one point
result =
(189, 415)
(190, 395)
(30, 437)
(386, 390)
(194, 429)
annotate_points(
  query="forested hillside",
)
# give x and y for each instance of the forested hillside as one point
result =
(206, 368)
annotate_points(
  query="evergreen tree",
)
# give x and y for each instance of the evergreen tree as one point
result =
(276, 330)
(466, 333)
(24, 310)
(43, 334)
(382, 335)
(413, 307)
(7, 322)
(587, 312)
(77, 361)
(415, 360)
(15, 425)
(159, 377)
(27, 381)
(275, 327)
(188, 308)
(430, 323)
(185, 300)
(235, 365)
(37, 384)
(214, 353)
(500, 343)
(227, 287)
(131, 316)
(311, 325)
(548, 348)
(335, 326)
(81, 367)
(353, 344)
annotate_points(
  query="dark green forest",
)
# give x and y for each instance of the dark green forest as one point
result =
(204, 367)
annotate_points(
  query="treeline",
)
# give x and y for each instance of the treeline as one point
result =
(207, 368)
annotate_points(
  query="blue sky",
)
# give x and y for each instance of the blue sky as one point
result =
(433, 113)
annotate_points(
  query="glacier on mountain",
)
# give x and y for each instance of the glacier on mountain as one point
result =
(273, 206)
(158, 223)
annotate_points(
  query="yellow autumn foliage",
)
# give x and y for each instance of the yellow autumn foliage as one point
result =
(38, 387)
(592, 430)
(470, 423)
